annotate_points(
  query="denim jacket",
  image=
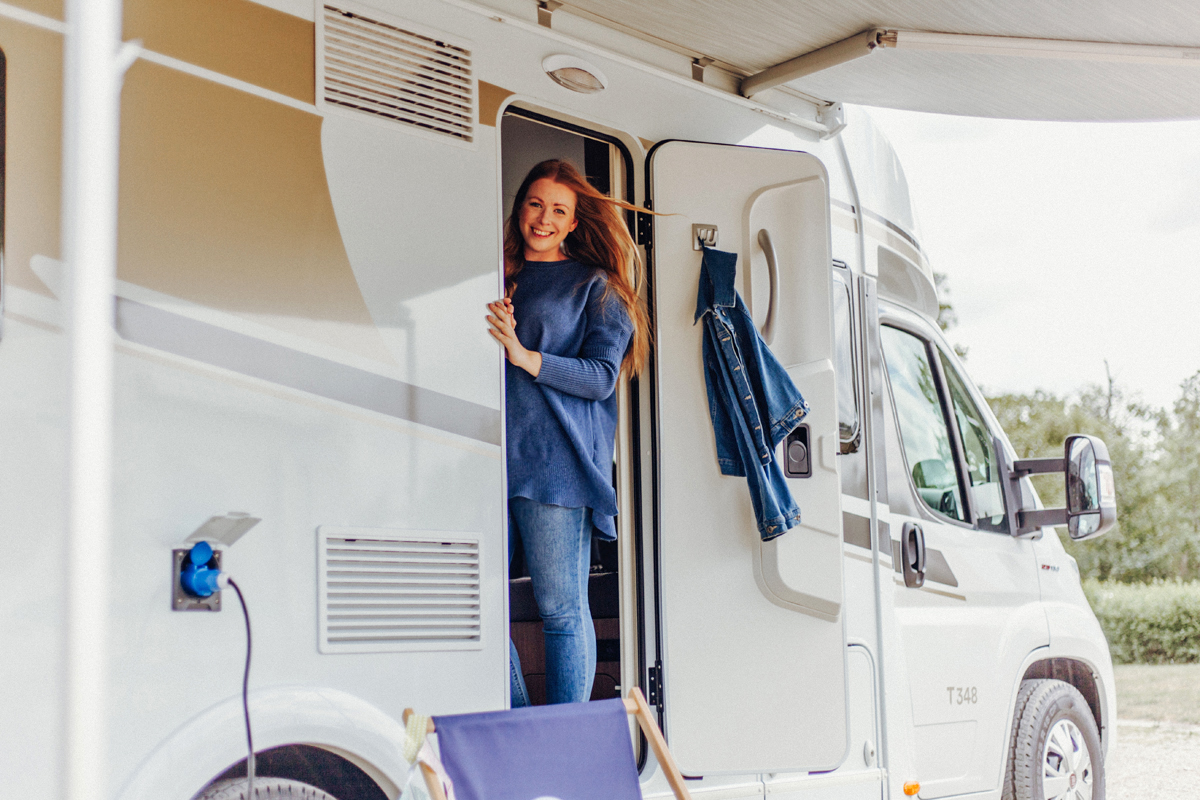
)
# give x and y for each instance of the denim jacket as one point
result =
(752, 401)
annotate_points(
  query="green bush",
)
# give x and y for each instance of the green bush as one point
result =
(1155, 623)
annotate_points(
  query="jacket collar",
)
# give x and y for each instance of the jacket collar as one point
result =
(717, 271)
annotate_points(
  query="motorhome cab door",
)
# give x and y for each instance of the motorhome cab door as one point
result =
(754, 655)
(963, 657)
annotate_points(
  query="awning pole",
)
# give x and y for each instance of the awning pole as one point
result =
(91, 113)
(859, 45)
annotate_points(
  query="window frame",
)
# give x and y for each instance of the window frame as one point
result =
(933, 348)
(842, 278)
(980, 403)
(956, 438)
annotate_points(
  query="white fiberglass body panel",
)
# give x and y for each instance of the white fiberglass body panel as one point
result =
(743, 660)
(392, 193)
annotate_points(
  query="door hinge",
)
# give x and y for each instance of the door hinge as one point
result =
(645, 229)
(654, 688)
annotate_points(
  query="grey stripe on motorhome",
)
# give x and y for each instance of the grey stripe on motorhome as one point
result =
(891, 226)
(247, 355)
(937, 568)
(842, 205)
(856, 530)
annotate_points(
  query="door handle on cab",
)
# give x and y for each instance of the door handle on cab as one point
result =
(768, 326)
(912, 554)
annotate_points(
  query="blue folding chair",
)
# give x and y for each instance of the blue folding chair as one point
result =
(572, 751)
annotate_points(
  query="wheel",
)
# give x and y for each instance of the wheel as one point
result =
(1055, 750)
(264, 789)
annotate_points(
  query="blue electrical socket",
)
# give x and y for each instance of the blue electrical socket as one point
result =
(194, 576)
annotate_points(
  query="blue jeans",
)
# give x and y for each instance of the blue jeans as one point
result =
(558, 551)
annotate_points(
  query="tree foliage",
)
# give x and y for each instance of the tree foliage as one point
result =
(947, 317)
(1156, 464)
(1180, 468)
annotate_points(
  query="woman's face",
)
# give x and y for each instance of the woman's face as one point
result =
(546, 217)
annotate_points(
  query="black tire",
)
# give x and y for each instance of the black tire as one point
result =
(1055, 745)
(264, 789)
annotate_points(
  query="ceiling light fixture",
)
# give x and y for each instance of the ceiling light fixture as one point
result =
(574, 74)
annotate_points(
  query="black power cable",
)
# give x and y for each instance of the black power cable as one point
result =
(246, 695)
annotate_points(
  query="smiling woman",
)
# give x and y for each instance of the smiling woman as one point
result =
(545, 219)
(570, 275)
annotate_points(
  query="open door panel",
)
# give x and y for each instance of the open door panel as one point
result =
(754, 657)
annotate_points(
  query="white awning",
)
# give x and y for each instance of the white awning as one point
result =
(1079, 70)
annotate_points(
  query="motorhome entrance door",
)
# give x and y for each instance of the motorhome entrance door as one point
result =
(752, 632)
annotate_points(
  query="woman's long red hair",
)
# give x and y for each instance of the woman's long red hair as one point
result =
(601, 240)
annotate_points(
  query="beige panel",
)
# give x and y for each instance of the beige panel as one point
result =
(490, 99)
(51, 8)
(33, 172)
(224, 202)
(841, 219)
(237, 38)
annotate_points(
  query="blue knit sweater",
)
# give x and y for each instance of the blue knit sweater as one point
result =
(562, 424)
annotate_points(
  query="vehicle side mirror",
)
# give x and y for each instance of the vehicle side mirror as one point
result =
(1091, 491)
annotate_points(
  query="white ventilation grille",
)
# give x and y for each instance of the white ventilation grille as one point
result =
(393, 72)
(383, 591)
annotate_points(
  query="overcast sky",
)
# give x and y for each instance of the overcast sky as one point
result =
(1065, 244)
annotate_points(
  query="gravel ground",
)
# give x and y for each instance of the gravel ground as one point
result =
(1154, 761)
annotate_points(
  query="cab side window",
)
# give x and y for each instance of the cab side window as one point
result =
(924, 429)
(985, 496)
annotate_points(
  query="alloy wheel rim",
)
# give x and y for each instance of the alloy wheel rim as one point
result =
(1066, 764)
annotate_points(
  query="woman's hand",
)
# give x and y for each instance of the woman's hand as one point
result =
(504, 330)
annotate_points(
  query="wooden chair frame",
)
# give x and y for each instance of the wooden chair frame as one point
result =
(635, 704)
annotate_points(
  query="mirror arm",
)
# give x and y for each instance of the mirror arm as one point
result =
(1022, 522)
(1038, 466)
(1009, 486)
(1029, 521)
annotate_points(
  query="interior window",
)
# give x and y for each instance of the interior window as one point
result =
(847, 400)
(985, 495)
(923, 428)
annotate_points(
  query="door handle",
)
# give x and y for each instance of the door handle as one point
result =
(912, 553)
(768, 326)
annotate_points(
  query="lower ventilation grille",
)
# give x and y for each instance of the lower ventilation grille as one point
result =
(387, 590)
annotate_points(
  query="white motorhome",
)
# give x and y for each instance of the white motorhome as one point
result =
(309, 225)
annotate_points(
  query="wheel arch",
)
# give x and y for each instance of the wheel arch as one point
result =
(336, 773)
(212, 744)
(1079, 674)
